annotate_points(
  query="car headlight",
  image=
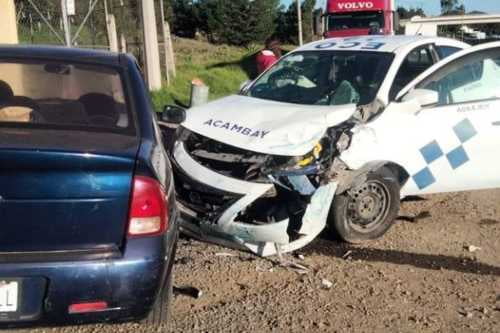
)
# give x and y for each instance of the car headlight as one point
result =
(310, 157)
(295, 165)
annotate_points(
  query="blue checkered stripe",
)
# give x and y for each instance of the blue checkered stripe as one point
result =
(431, 152)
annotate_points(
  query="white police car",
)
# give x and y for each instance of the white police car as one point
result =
(335, 134)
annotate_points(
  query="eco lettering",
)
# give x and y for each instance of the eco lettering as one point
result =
(236, 128)
(356, 5)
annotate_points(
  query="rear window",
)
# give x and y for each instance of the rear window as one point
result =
(63, 95)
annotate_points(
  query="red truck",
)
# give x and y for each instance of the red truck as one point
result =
(360, 17)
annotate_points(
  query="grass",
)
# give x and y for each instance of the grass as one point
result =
(223, 68)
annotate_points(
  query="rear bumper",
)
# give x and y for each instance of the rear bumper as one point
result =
(128, 284)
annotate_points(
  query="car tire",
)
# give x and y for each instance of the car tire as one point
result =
(367, 211)
(160, 313)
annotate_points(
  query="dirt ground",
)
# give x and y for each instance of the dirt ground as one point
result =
(437, 270)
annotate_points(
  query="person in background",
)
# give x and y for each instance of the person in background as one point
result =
(374, 29)
(269, 55)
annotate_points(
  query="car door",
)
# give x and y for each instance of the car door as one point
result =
(451, 145)
(463, 129)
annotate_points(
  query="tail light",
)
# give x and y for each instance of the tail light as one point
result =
(87, 307)
(148, 210)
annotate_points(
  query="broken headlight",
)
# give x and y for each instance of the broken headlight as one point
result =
(300, 165)
(343, 142)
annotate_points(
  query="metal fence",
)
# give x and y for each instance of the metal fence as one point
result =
(115, 25)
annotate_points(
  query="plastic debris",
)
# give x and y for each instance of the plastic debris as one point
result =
(225, 254)
(347, 255)
(188, 291)
(326, 284)
(472, 248)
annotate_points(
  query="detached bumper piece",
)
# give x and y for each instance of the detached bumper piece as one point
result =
(254, 215)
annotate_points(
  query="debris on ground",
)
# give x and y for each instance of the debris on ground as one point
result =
(413, 219)
(472, 248)
(465, 313)
(247, 258)
(300, 256)
(413, 198)
(298, 268)
(259, 268)
(326, 284)
(347, 255)
(483, 310)
(225, 254)
(188, 291)
(184, 261)
(488, 222)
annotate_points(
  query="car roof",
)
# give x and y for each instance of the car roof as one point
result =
(377, 43)
(59, 53)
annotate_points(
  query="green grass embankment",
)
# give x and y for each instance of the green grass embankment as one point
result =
(223, 68)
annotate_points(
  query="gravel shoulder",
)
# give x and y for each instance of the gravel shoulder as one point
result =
(437, 270)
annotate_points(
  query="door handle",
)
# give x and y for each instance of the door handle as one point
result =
(496, 123)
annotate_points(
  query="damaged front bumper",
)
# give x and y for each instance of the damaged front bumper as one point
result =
(258, 216)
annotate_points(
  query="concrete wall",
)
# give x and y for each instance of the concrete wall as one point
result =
(8, 24)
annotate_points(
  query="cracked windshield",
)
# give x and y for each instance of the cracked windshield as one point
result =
(324, 78)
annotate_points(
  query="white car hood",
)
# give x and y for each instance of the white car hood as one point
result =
(265, 126)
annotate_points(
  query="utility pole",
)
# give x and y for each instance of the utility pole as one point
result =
(67, 32)
(299, 18)
(111, 29)
(153, 69)
(165, 46)
(8, 23)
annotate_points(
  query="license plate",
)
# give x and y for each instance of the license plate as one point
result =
(9, 292)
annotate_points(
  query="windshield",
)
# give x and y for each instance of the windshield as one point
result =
(324, 78)
(62, 95)
(355, 20)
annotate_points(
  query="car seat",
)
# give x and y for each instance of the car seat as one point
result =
(101, 109)
(6, 92)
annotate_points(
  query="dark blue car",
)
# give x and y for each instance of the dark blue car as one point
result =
(88, 224)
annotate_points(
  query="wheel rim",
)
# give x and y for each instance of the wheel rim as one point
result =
(368, 206)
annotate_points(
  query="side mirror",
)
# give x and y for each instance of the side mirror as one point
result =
(422, 97)
(173, 114)
(245, 85)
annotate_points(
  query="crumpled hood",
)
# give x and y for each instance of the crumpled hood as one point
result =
(265, 126)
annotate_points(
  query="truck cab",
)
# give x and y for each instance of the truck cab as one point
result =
(345, 18)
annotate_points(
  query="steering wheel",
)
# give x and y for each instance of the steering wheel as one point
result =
(288, 73)
(25, 102)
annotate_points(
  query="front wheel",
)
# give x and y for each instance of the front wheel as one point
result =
(367, 211)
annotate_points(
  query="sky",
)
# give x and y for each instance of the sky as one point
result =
(433, 7)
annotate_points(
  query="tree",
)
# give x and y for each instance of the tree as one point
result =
(406, 14)
(267, 12)
(452, 7)
(228, 21)
(237, 22)
(308, 19)
(185, 21)
(286, 22)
